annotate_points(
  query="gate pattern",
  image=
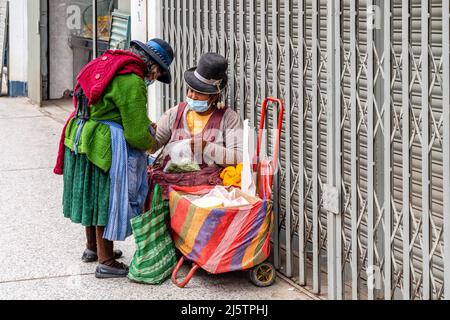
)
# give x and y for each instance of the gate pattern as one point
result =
(366, 85)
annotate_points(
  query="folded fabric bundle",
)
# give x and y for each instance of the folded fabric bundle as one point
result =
(231, 176)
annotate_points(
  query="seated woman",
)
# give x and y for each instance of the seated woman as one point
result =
(212, 132)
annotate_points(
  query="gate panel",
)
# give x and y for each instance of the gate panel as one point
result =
(377, 73)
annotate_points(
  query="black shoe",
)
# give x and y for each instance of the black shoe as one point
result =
(91, 256)
(119, 270)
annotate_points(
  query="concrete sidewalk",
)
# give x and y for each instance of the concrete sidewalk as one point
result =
(40, 249)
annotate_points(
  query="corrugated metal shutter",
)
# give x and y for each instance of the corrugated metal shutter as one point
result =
(361, 83)
(313, 111)
(397, 148)
(281, 48)
(435, 114)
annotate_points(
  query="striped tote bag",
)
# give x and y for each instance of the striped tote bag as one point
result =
(155, 256)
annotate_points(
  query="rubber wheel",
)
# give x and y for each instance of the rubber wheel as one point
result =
(263, 275)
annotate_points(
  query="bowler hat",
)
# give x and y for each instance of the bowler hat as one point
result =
(209, 76)
(161, 52)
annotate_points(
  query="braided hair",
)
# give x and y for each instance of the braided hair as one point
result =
(144, 56)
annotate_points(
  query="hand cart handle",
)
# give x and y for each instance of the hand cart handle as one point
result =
(280, 103)
(188, 277)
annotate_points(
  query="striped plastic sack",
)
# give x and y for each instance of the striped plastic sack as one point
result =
(155, 256)
(221, 239)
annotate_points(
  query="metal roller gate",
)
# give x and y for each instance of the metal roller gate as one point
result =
(366, 84)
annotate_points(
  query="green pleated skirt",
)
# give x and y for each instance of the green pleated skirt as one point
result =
(86, 191)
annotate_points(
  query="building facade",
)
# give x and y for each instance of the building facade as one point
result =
(362, 197)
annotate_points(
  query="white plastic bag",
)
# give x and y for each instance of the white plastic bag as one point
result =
(208, 202)
(234, 199)
(220, 197)
(248, 185)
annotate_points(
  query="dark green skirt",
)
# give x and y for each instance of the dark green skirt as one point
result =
(86, 191)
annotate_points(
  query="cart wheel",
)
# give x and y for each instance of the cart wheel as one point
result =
(263, 275)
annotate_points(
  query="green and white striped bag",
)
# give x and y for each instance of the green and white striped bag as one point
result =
(155, 256)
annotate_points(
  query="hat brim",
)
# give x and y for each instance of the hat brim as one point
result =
(166, 76)
(200, 86)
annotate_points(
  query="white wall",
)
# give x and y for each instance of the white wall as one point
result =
(34, 52)
(18, 40)
(154, 10)
(124, 5)
(139, 20)
(145, 25)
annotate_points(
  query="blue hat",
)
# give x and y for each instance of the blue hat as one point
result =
(161, 52)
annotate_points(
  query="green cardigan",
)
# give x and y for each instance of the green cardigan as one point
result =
(125, 102)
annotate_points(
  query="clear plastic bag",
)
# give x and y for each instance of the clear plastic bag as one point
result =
(181, 157)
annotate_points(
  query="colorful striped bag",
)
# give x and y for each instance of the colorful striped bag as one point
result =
(221, 239)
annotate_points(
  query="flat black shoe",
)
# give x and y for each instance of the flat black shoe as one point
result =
(105, 272)
(91, 256)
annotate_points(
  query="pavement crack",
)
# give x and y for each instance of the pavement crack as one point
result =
(22, 117)
(26, 169)
(46, 278)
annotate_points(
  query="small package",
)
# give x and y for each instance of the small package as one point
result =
(181, 158)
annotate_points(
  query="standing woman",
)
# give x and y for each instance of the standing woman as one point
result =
(102, 148)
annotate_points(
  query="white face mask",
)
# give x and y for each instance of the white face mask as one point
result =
(198, 105)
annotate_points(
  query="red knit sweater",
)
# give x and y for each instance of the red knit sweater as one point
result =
(94, 78)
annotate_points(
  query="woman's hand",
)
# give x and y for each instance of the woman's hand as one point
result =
(152, 129)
